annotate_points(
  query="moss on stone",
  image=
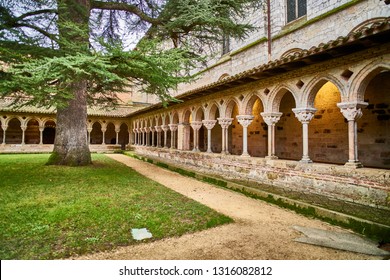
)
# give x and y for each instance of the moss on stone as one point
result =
(214, 181)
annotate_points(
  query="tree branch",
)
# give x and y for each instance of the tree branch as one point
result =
(126, 8)
(35, 13)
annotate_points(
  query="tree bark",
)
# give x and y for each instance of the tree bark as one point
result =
(71, 142)
(71, 146)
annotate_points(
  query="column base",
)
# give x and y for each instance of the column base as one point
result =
(271, 157)
(195, 150)
(246, 155)
(306, 160)
(209, 151)
(354, 164)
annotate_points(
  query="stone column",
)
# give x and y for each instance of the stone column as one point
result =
(271, 119)
(147, 141)
(225, 123)
(158, 130)
(23, 127)
(117, 130)
(352, 111)
(41, 129)
(89, 130)
(152, 129)
(4, 127)
(135, 136)
(104, 129)
(209, 124)
(305, 115)
(173, 128)
(245, 121)
(165, 129)
(196, 125)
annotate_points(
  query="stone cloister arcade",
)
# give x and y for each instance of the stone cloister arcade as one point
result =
(337, 116)
(37, 131)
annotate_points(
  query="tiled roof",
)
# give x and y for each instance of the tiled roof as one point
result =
(119, 111)
(362, 38)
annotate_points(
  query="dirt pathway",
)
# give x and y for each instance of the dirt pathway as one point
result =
(260, 231)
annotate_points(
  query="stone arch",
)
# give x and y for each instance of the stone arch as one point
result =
(314, 85)
(198, 114)
(373, 128)
(49, 131)
(32, 133)
(328, 132)
(174, 117)
(110, 134)
(96, 136)
(229, 107)
(365, 75)
(14, 130)
(186, 116)
(248, 102)
(276, 96)
(213, 111)
(123, 136)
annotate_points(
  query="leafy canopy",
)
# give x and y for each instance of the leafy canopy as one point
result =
(46, 45)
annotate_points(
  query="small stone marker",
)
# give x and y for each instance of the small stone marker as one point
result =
(140, 233)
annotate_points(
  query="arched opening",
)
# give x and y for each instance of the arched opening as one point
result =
(199, 116)
(328, 131)
(234, 131)
(32, 134)
(123, 136)
(288, 130)
(257, 130)
(49, 133)
(14, 132)
(175, 120)
(374, 125)
(169, 134)
(188, 136)
(110, 134)
(216, 131)
(96, 134)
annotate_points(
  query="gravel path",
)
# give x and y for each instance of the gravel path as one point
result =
(260, 230)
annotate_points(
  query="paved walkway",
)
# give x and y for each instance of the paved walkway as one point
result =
(260, 230)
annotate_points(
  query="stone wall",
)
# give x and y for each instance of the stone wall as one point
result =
(363, 193)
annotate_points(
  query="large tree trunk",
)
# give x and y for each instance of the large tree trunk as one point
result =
(71, 142)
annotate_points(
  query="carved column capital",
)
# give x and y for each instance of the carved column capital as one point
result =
(4, 127)
(209, 124)
(152, 129)
(304, 115)
(225, 122)
(196, 125)
(245, 120)
(271, 118)
(146, 129)
(158, 128)
(352, 111)
(173, 127)
(165, 128)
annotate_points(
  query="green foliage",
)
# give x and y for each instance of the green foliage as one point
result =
(50, 212)
(49, 44)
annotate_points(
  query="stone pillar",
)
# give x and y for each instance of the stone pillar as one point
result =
(165, 129)
(23, 127)
(4, 127)
(104, 129)
(209, 124)
(89, 130)
(117, 130)
(147, 142)
(135, 136)
(225, 123)
(196, 125)
(158, 130)
(173, 128)
(271, 119)
(305, 115)
(352, 111)
(245, 121)
(152, 129)
(41, 129)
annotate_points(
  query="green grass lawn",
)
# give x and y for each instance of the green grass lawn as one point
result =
(49, 212)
